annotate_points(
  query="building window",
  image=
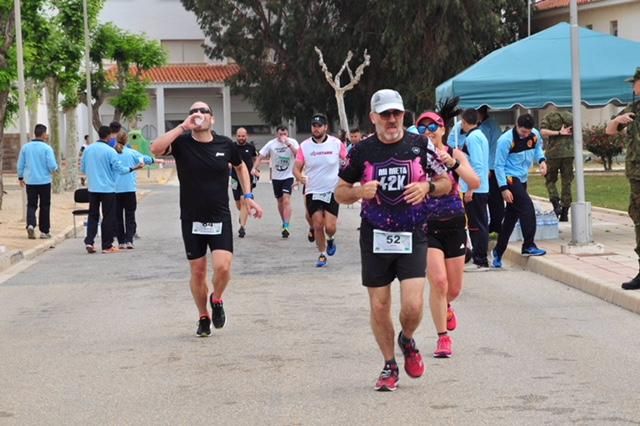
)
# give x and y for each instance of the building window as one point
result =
(589, 26)
(184, 51)
(613, 28)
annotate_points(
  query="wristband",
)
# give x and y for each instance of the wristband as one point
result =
(20, 178)
(248, 196)
(455, 166)
(432, 187)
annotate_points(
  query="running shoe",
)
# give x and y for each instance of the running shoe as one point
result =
(322, 261)
(218, 316)
(331, 247)
(130, 246)
(413, 364)
(443, 348)
(533, 251)
(31, 232)
(311, 236)
(112, 249)
(285, 232)
(90, 248)
(122, 246)
(452, 319)
(241, 232)
(497, 259)
(45, 236)
(204, 327)
(388, 379)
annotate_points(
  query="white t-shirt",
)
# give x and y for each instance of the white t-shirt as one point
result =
(322, 163)
(281, 158)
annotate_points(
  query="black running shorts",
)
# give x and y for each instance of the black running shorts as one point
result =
(281, 187)
(195, 245)
(315, 205)
(449, 236)
(237, 192)
(379, 270)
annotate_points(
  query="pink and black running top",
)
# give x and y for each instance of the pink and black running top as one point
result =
(413, 159)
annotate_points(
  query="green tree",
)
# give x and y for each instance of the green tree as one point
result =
(414, 46)
(132, 54)
(604, 146)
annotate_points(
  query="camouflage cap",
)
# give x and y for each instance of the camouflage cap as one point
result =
(636, 76)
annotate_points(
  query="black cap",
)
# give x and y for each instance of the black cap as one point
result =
(319, 118)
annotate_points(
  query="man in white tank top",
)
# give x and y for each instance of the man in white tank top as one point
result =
(321, 156)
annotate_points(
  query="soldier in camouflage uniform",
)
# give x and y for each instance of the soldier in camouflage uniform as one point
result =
(556, 128)
(629, 119)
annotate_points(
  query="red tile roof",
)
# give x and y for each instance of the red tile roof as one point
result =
(187, 73)
(556, 4)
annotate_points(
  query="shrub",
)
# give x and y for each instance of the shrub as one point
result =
(604, 146)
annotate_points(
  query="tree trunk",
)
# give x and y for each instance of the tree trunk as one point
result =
(71, 171)
(52, 87)
(4, 96)
(342, 112)
(33, 92)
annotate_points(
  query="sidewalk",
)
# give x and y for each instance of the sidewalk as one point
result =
(14, 244)
(597, 274)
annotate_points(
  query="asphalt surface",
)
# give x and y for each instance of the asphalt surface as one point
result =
(110, 339)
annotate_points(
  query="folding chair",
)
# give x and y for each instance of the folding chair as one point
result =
(81, 195)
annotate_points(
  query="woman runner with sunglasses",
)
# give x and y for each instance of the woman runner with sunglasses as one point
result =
(446, 233)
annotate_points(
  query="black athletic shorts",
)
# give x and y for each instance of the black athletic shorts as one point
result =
(281, 187)
(379, 270)
(315, 205)
(195, 245)
(237, 192)
(449, 236)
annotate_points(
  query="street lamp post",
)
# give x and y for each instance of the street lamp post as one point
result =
(87, 65)
(22, 108)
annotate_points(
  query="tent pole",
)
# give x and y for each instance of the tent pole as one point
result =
(580, 210)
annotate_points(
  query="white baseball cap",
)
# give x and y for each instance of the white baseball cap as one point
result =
(386, 99)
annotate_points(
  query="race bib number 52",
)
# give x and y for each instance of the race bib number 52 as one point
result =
(392, 242)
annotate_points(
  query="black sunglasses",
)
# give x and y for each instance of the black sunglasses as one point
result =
(388, 113)
(200, 110)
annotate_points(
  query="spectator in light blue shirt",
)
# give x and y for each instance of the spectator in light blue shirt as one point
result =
(36, 164)
(476, 147)
(492, 131)
(126, 185)
(114, 128)
(101, 164)
(517, 149)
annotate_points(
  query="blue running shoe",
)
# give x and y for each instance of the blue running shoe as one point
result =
(322, 261)
(533, 251)
(331, 247)
(497, 259)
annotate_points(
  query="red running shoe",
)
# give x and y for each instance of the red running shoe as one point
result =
(388, 379)
(452, 320)
(413, 364)
(443, 348)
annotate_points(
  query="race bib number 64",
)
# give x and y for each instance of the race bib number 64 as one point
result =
(199, 228)
(392, 242)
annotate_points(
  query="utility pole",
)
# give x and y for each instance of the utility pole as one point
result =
(22, 107)
(87, 64)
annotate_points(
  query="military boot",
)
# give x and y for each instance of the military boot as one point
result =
(555, 202)
(564, 214)
(634, 284)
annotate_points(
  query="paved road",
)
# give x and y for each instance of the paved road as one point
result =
(109, 339)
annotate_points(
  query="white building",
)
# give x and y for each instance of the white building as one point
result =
(615, 17)
(189, 75)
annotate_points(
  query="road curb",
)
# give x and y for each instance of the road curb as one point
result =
(549, 268)
(13, 257)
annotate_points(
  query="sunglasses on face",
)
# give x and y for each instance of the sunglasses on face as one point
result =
(200, 110)
(392, 112)
(431, 128)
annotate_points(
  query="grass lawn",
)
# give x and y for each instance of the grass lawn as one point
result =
(610, 191)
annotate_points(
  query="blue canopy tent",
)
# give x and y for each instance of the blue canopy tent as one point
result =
(536, 71)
